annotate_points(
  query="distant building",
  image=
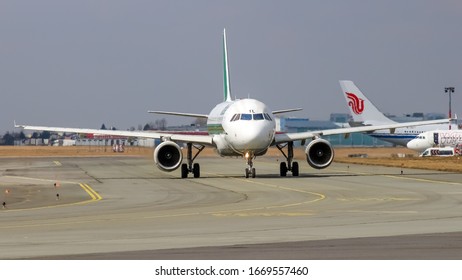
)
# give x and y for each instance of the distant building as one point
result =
(417, 116)
(336, 121)
(340, 118)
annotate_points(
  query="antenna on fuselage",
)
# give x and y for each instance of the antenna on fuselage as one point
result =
(226, 84)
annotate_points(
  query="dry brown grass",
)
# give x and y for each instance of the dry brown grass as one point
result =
(64, 151)
(375, 156)
(388, 157)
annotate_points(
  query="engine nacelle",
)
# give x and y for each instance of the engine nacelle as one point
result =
(168, 156)
(319, 153)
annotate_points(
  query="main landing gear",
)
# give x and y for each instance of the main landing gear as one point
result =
(289, 165)
(191, 167)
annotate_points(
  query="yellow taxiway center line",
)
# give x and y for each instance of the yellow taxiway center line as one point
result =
(91, 192)
(319, 197)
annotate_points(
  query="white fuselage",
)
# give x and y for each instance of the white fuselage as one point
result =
(241, 127)
(402, 136)
(441, 138)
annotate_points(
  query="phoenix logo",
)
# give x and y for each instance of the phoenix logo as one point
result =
(356, 103)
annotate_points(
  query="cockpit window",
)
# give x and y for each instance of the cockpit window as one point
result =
(258, 117)
(246, 117)
(236, 117)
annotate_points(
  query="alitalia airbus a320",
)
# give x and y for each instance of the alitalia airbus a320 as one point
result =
(241, 127)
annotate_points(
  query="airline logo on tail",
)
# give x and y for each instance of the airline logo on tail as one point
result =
(356, 103)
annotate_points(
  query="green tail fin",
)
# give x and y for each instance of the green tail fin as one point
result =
(226, 85)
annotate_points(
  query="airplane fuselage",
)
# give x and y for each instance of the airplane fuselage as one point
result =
(241, 127)
(442, 138)
(402, 136)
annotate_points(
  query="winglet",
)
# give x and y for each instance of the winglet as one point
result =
(226, 85)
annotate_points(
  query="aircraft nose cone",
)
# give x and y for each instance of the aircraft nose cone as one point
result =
(413, 145)
(253, 137)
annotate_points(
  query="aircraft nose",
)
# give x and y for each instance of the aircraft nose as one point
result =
(253, 137)
(413, 145)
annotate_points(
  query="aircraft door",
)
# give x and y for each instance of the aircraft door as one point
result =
(435, 138)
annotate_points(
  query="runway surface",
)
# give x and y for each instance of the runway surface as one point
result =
(125, 208)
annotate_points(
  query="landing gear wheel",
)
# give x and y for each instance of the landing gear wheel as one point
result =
(283, 169)
(289, 165)
(250, 172)
(196, 170)
(295, 169)
(184, 170)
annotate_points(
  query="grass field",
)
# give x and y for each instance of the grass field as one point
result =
(375, 156)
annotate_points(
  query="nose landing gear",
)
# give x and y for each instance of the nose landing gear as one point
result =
(250, 170)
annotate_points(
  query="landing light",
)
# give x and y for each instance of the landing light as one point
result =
(247, 155)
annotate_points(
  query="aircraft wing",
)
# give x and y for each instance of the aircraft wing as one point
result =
(179, 114)
(286, 111)
(197, 139)
(287, 137)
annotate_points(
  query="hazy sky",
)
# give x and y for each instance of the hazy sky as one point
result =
(84, 63)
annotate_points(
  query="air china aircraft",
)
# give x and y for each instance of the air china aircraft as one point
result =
(365, 113)
(241, 127)
(436, 138)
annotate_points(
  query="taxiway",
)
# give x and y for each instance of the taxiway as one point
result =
(125, 208)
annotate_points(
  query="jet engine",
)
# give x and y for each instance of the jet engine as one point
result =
(168, 156)
(319, 153)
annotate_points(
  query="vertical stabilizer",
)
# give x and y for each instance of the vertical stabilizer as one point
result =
(226, 85)
(360, 107)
